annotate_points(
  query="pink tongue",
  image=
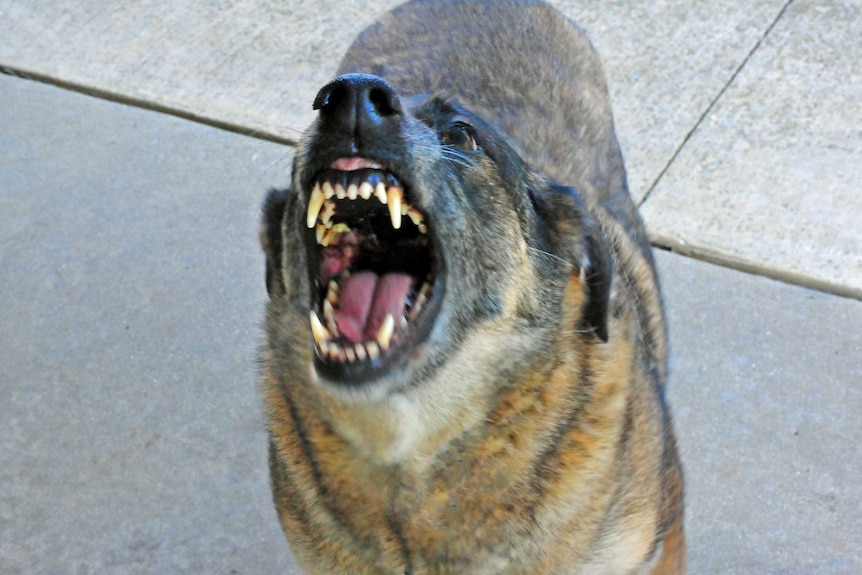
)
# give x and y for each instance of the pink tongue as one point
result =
(365, 301)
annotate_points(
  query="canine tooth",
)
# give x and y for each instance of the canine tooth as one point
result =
(314, 204)
(394, 198)
(373, 350)
(339, 192)
(384, 334)
(380, 192)
(328, 191)
(365, 190)
(320, 333)
(361, 354)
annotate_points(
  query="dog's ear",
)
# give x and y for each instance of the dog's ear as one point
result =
(596, 273)
(575, 237)
(271, 239)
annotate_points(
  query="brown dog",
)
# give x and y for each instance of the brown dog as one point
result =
(466, 352)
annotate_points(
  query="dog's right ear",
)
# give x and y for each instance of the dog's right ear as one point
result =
(271, 239)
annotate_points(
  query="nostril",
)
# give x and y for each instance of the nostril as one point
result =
(385, 102)
(330, 98)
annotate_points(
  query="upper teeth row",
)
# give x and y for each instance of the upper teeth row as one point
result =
(393, 198)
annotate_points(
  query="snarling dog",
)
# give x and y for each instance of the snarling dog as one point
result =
(465, 353)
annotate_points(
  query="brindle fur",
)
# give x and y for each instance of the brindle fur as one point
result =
(531, 433)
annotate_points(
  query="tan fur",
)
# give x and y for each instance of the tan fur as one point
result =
(535, 448)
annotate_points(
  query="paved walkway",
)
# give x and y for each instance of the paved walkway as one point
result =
(132, 286)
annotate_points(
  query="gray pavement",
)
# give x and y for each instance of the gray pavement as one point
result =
(740, 121)
(131, 434)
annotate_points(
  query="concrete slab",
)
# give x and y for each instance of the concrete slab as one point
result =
(256, 65)
(772, 180)
(666, 61)
(766, 388)
(131, 437)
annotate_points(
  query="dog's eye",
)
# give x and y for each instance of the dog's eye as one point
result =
(461, 136)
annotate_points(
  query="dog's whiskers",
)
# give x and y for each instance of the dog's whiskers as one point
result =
(544, 253)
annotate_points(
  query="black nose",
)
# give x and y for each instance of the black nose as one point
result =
(356, 103)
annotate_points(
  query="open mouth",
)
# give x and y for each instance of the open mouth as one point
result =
(374, 267)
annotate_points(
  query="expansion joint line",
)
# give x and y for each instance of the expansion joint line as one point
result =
(715, 100)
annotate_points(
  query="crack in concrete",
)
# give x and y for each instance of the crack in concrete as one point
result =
(143, 104)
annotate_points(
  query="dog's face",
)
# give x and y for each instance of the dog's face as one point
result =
(411, 224)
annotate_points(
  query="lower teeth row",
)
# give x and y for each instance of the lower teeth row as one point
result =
(324, 335)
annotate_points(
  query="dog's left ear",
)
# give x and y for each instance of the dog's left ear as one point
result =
(271, 240)
(575, 236)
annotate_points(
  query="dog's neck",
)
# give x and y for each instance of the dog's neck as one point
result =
(409, 427)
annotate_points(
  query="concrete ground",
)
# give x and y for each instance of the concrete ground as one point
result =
(131, 435)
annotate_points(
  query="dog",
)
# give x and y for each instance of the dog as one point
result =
(465, 354)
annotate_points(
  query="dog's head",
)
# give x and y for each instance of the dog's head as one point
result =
(411, 224)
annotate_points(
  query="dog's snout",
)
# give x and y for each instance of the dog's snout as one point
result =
(355, 103)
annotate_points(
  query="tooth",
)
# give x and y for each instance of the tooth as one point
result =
(394, 201)
(319, 231)
(384, 334)
(365, 190)
(352, 191)
(337, 353)
(373, 350)
(339, 192)
(319, 332)
(351, 355)
(340, 228)
(331, 293)
(328, 237)
(415, 217)
(329, 317)
(404, 208)
(380, 192)
(417, 305)
(327, 213)
(402, 323)
(423, 229)
(327, 190)
(361, 354)
(314, 204)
